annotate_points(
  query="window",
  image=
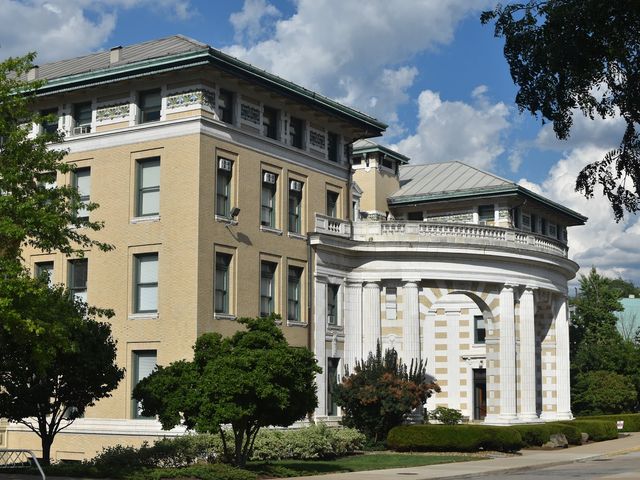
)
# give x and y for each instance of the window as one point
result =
(225, 106)
(526, 221)
(296, 128)
(268, 199)
(46, 180)
(150, 103)
(553, 230)
(332, 304)
(543, 226)
(49, 125)
(387, 163)
(223, 187)
(44, 268)
(146, 283)
(332, 382)
(78, 278)
(295, 206)
(332, 203)
(144, 362)
(270, 122)
(267, 288)
(356, 161)
(294, 294)
(486, 214)
(391, 303)
(148, 201)
(415, 216)
(223, 261)
(82, 118)
(332, 147)
(515, 217)
(478, 329)
(82, 182)
(534, 223)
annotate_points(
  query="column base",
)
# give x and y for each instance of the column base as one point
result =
(501, 419)
(528, 418)
(564, 416)
(548, 416)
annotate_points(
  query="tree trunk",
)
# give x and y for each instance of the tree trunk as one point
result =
(46, 442)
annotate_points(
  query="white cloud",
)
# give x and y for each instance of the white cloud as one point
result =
(251, 22)
(613, 248)
(358, 52)
(455, 130)
(58, 29)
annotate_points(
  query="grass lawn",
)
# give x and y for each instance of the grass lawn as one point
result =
(356, 463)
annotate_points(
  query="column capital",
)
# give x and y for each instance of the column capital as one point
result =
(410, 282)
(353, 282)
(509, 286)
(321, 278)
(531, 288)
(372, 283)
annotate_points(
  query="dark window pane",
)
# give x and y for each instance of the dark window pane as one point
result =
(150, 103)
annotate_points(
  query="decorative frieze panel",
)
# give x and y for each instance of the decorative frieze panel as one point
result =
(202, 98)
(110, 113)
(317, 140)
(250, 114)
(452, 218)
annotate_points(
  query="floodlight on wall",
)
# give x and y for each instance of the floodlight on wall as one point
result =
(235, 211)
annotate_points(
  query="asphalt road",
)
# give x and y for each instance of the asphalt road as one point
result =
(622, 467)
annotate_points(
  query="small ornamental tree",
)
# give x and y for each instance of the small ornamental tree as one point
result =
(601, 392)
(381, 392)
(249, 380)
(59, 364)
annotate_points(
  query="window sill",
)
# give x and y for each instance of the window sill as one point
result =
(149, 219)
(335, 328)
(297, 236)
(291, 323)
(226, 220)
(143, 316)
(224, 316)
(275, 231)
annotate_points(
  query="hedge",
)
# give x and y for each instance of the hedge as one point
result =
(536, 435)
(201, 472)
(598, 430)
(448, 438)
(631, 420)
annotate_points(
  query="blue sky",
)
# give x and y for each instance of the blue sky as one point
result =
(428, 68)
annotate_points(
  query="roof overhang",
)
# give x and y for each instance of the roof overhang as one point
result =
(502, 191)
(381, 148)
(370, 126)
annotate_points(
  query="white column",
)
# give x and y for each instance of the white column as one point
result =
(411, 323)
(320, 344)
(527, 371)
(507, 355)
(352, 324)
(371, 322)
(562, 361)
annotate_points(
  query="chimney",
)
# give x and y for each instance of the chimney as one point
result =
(115, 54)
(32, 74)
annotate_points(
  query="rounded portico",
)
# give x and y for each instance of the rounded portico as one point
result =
(461, 269)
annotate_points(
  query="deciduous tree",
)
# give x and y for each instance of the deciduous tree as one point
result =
(249, 380)
(568, 55)
(58, 364)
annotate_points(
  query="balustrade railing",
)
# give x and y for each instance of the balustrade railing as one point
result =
(428, 232)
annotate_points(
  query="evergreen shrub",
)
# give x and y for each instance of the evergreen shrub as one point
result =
(454, 438)
(598, 430)
(631, 420)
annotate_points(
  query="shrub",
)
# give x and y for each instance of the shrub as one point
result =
(631, 420)
(461, 438)
(202, 472)
(380, 392)
(182, 451)
(447, 416)
(598, 430)
(120, 457)
(571, 432)
(314, 442)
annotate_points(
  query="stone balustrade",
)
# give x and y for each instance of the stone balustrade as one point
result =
(439, 233)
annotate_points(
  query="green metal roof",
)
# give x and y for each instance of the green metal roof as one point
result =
(456, 181)
(190, 53)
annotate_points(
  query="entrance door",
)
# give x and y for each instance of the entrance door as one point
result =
(479, 393)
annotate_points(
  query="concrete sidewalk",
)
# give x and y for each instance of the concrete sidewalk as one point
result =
(528, 460)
